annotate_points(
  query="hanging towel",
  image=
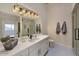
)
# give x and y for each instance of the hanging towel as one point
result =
(64, 28)
(58, 28)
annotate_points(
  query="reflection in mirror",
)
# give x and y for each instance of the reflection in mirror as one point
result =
(8, 25)
(28, 26)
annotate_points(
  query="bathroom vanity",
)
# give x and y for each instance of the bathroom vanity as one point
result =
(29, 47)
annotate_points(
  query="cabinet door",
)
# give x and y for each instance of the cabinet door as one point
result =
(22, 53)
(44, 46)
(39, 49)
(33, 50)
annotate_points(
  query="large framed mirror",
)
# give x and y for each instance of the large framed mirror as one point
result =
(16, 25)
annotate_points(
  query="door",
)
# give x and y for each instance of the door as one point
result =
(77, 31)
(74, 32)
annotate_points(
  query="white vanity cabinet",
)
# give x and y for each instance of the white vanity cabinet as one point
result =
(22, 53)
(39, 49)
(33, 50)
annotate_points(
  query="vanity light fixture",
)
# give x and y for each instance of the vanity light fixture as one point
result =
(16, 8)
(24, 11)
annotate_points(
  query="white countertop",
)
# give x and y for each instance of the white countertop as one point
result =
(21, 46)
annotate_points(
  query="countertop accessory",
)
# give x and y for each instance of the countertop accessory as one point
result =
(10, 44)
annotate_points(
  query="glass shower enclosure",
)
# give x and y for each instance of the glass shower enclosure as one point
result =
(75, 30)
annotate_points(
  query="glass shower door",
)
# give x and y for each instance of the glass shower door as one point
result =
(74, 32)
(75, 18)
(77, 31)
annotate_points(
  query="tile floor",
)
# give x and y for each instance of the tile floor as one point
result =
(59, 50)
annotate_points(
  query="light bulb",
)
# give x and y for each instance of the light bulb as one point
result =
(22, 12)
(36, 16)
(28, 14)
(25, 12)
(32, 15)
(17, 8)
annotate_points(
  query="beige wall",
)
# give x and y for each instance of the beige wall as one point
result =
(60, 13)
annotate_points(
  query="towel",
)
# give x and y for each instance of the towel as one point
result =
(64, 28)
(58, 28)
